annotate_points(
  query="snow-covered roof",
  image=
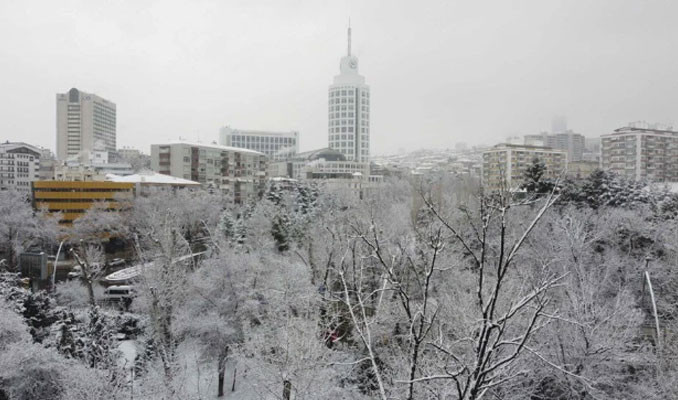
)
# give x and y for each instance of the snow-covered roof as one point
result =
(218, 147)
(150, 178)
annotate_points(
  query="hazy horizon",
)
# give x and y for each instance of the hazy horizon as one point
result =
(440, 73)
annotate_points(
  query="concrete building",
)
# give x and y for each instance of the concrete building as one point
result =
(47, 164)
(318, 164)
(276, 145)
(85, 122)
(237, 171)
(504, 165)
(573, 143)
(349, 111)
(641, 151)
(578, 170)
(19, 166)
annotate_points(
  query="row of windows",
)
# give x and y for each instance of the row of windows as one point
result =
(348, 101)
(264, 139)
(347, 108)
(347, 92)
(334, 116)
(364, 138)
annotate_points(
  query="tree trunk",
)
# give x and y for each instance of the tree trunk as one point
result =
(90, 291)
(221, 368)
(287, 389)
(235, 369)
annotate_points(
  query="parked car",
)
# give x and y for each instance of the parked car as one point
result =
(119, 293)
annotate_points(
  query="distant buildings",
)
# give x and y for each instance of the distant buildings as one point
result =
(573, 143)
(85, 122)
(47, 165)
(641, 151)
(504, 165)
(240, 172)
(19, 166)
(276, 145)
(318, 164)
(349, 111)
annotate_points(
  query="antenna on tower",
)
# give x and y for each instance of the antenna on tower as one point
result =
(349, 36)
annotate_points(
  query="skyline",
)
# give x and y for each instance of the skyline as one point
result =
(440, 73)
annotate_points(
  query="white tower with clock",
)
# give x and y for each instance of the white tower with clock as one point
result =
(349, 110)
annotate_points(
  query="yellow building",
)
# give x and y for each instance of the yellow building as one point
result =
(73, 199)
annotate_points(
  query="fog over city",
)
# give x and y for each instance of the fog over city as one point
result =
(338, 200)
(440, 72)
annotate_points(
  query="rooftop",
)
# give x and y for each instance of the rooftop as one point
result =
(151, 177)
(213, 146)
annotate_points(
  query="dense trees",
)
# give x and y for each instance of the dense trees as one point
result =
(420, 290)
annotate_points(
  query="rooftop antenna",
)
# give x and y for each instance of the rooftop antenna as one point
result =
(349, 36)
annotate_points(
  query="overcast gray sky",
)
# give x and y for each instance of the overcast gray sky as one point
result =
(440, 71)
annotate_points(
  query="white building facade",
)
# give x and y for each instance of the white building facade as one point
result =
(276, 145)
(239, 172)
(349, 111)
(641, 151)
(19, 166)
(85, 122)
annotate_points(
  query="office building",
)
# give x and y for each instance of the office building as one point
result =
(349, 111)
(19, 166)
(236, 171)
(504, 165)
(641, 151)
(85, 122)
(276, 145)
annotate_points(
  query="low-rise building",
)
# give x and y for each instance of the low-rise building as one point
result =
(146, 181)
(276, 145)
(73, 199)
(19, 166)
(504, 165)
(236, 171)
(641, 151)
(323, 163)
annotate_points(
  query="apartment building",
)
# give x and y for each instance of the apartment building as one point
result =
(276, 145)
(239, 172)
(641, 151)
(504, 165)
(19, 166)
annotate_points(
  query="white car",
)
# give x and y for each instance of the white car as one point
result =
(118, 292)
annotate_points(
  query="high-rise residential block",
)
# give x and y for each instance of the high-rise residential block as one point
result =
(349, 110)
(276, 145)
(85, 122)
(641, 151)
(504, 165)
(239, 172)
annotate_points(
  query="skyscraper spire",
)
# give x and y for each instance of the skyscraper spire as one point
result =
(349, 36)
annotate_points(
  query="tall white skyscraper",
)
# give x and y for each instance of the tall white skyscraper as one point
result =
(85, 122)
(349, 110)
